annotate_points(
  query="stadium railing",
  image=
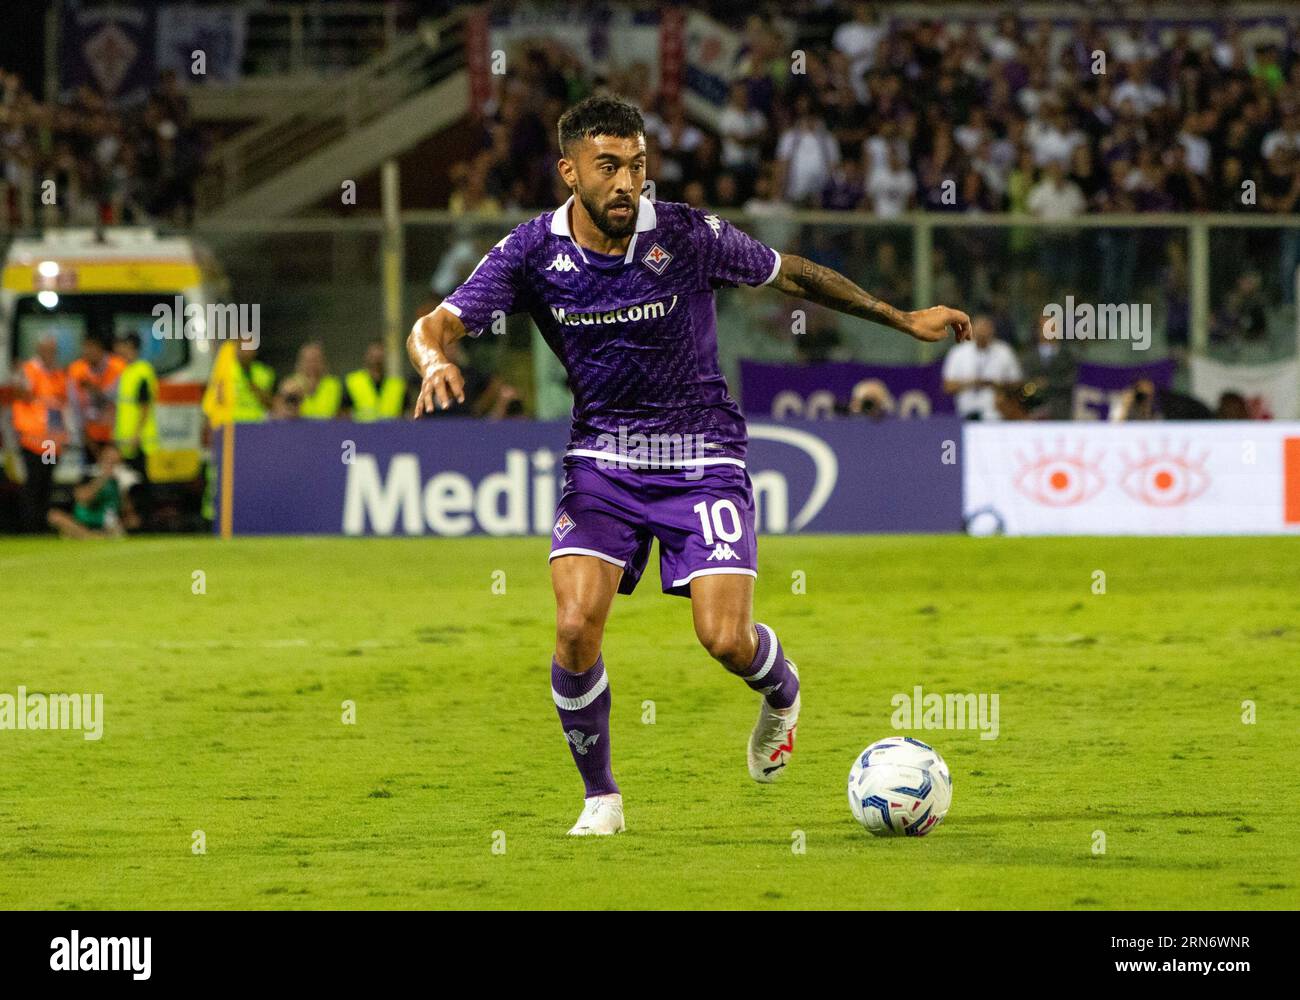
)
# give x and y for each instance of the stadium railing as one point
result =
(322, 278)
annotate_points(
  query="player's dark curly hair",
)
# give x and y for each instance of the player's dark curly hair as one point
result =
(599, 114)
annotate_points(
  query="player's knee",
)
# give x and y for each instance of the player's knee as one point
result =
(577, 633)
(728, 643)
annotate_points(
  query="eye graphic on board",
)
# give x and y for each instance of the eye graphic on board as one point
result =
(1164, 478)
(1059, 479)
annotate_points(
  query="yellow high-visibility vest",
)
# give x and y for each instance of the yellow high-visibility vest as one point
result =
(129, 408)
(324, 403)
(248, 408)
(369, 404)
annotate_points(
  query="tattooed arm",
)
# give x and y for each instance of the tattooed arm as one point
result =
(805, 280)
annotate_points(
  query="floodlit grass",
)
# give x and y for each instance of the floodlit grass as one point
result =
(1120, 713)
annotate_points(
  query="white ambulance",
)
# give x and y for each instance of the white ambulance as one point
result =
(72, 282)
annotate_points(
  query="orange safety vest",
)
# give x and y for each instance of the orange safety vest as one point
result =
(99, 419)
(31, 417)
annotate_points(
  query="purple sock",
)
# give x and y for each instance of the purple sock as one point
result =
(769, 674)
(583, 703)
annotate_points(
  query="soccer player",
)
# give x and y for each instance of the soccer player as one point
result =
(622, 290)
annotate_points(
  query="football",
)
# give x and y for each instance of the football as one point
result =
(899, 786)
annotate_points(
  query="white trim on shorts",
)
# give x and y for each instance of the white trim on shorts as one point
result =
(637, 463)
(734, 570)
(622, 563)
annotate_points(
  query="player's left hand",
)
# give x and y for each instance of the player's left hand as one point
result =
(932, 324)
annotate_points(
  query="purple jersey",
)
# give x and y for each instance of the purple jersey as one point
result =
(636, 333)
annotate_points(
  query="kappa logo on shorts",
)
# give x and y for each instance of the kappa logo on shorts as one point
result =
(722, 551)
(563, 525)
(657, 259)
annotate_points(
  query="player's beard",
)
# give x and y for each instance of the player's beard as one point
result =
(600, 216)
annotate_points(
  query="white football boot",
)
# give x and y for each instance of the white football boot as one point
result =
(771, 744)
(601, 816)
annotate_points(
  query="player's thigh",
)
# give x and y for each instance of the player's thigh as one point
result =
(705, 528)
(722, 608)
(584, 591)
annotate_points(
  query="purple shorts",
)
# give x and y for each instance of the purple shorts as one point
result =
(703, 518)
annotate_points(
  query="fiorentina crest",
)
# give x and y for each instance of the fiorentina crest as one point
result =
(581, 743)
(657, 259)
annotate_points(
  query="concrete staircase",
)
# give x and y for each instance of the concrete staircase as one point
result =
(343, 129)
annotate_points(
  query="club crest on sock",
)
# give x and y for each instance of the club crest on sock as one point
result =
(581, 742)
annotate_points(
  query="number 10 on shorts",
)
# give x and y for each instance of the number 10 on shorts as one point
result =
(714, 514)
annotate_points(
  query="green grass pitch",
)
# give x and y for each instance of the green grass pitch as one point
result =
(1120, 712)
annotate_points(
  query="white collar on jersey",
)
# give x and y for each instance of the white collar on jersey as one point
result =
(645, 221)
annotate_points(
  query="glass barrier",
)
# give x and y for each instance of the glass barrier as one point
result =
(309, 286)
(1220, 287)
(1252, 291)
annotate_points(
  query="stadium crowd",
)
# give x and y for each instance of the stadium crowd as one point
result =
(891, 115)
(879, 116)
(109, 165)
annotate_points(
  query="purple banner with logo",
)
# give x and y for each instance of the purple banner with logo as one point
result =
(1099, 387)
(780, 391)
(109, 49)
(451, 477)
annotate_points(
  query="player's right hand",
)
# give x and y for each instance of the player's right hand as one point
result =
(442, 383)
(931, 325)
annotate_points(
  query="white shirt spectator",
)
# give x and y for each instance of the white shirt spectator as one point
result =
(1145, 96)
(966, 362)
(1226, 53)
(859, 42)
(1123, 47)
(1002, 154)
(1031, 99)
(876, 150)
(969, 137)
(890, 191)
(1051, 145)
(670, 167)
(1001, 47)
(736, 127)
(809, 155)
(1280, 139)
(1198, 153)
(991, 173)
(1055, 201)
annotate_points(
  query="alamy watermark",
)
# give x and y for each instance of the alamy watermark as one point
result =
(1107, 321)
(946, 711)
(689, 453)
(53, 711)
(208, 321)
(75, 953)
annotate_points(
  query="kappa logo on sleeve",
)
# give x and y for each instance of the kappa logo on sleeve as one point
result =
(563, 525)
